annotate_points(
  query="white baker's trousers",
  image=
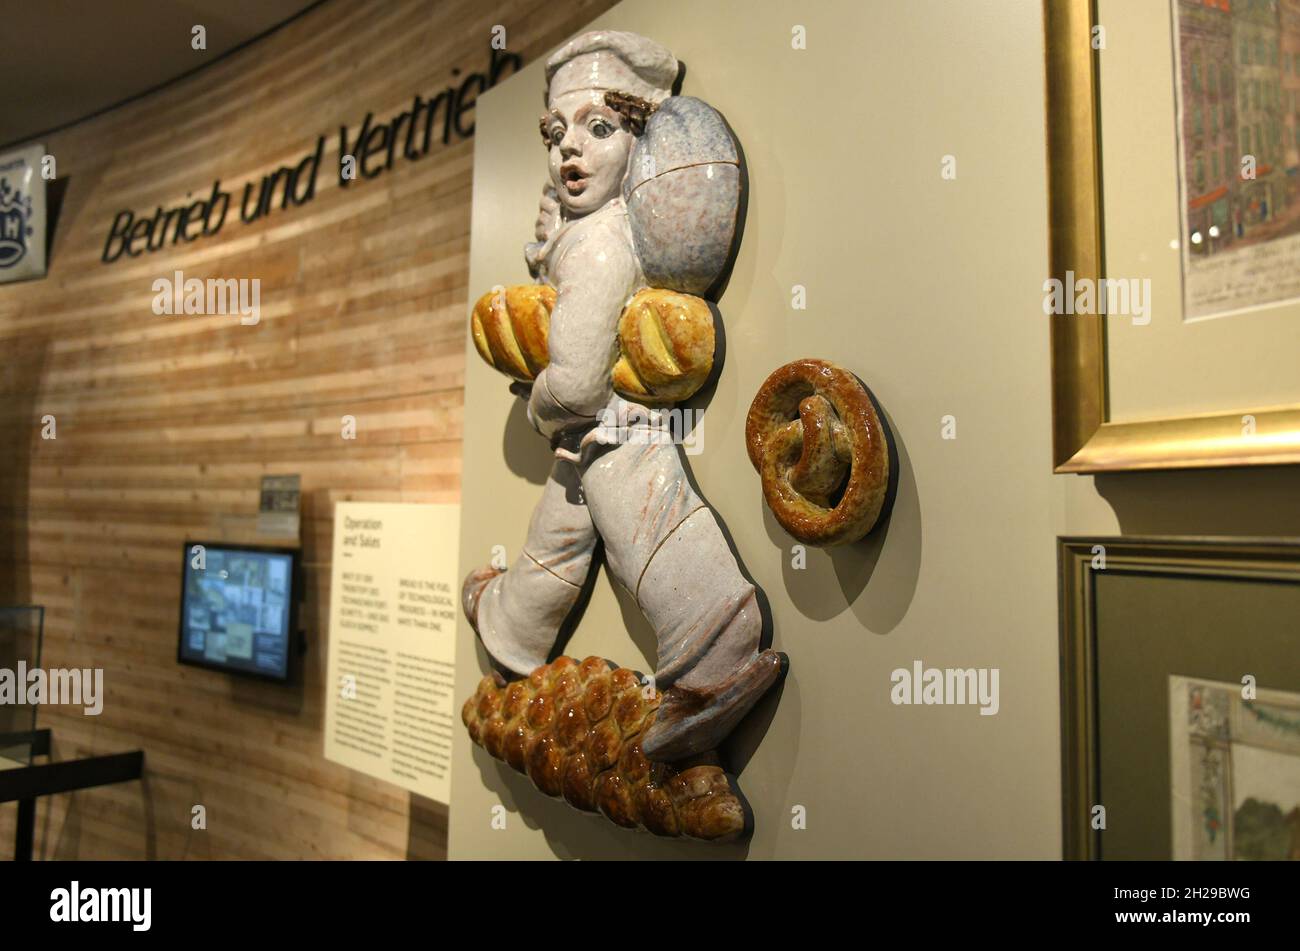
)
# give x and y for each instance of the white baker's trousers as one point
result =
(662, 543)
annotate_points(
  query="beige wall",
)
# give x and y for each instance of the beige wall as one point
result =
(930, 290)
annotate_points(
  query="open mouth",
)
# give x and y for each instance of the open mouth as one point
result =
(574, 178)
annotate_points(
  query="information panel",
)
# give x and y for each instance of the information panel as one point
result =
(390, 707)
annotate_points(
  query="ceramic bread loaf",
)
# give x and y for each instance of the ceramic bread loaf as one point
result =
(666, 340)
(666, 343)
(574, 728)
(510, 325)
(685, 196)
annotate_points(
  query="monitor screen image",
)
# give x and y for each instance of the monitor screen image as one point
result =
(237, 609)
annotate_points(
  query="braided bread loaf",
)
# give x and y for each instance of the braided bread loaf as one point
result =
(666, 346)
(665, 340)
(509, 326)
(575, 730)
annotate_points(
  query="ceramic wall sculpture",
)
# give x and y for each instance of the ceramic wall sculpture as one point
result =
(822, 449)
(637, 226)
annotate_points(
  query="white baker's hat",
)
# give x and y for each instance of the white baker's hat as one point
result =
(612, 60)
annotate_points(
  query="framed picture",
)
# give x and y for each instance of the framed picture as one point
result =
(22, 213)
(1174, 196)
(1180, 698)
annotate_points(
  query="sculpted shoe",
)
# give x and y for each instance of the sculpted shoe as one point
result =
(692, 720)
(472, 590)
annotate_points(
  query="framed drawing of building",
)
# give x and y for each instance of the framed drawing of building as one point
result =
(1180, 698)
(1238, 92)
(1234, 755)
(1174, 195)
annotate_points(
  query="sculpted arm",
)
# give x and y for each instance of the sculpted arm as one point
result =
(594, 280)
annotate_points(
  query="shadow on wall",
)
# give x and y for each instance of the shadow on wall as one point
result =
(20, 428)
(525, 451)
(55, 192)
(875, 577)
(1258, 500)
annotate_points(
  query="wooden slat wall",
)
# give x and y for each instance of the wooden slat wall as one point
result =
(165, 425)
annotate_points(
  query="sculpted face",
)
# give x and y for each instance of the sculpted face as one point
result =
(589, 147)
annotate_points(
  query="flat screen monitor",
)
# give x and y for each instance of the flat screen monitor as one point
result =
(239, 609)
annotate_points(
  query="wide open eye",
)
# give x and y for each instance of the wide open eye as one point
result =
(557, 133)
(600, 128)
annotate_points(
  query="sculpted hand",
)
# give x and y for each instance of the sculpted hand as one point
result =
(548, 214)
(548, 219)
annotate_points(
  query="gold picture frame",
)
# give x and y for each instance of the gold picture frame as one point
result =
(1206, 561)
(1084, 439)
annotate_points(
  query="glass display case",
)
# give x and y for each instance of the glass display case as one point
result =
(21, 627)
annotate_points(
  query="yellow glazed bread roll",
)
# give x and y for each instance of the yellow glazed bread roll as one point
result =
(665, 347)
(509, 326)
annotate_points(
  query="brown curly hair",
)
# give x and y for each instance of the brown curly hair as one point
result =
(634, 110)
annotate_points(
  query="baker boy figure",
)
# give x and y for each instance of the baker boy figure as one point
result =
(662, 542)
